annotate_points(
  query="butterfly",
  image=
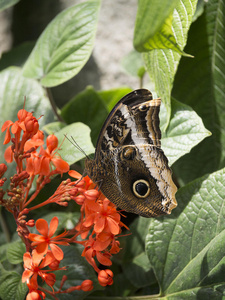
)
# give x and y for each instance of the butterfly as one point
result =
(129, 165)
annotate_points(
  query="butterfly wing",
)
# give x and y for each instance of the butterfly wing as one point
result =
(129, 161)
(119, 124)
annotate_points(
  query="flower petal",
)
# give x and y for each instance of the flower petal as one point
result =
(42, 248)
(27, 260)
(42, 227)
(57, 252)
(37, 257)
(103, 259)
(99, 224)
(26, 275)
(74, 174)
(53, 226)
(61, 165)
(7, 136)
(113, 226)
(8, 155)
(49, 258)
(36, 237)
(44, 166)
(7, 124)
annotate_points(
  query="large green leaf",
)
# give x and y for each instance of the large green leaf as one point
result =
(80, 133)
(11, 286)
(111, 97)
(162, 63)
(133, 64)
(15, 252)
(153, 25)
(7, 3)
(87, 107)
(200, 83)
(65, 45)
(187, 249)
(135, 263)
(185, 131)
(13, 88)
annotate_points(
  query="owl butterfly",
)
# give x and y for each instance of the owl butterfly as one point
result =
(129, 166)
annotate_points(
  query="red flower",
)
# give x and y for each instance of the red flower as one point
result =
(26, 122)
(41, 242)
(107, 217)
(49, 156)
(36, 141)
(33, 266)
(34, 293)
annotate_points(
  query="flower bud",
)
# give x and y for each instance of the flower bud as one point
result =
(105, 277)
(52, 142)
(87, 285)
(91, 194)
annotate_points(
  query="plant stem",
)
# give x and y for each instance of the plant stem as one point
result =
(52, 102)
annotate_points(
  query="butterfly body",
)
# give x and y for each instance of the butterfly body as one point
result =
(129, 166)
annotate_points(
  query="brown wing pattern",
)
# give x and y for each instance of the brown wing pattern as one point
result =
(131, 169)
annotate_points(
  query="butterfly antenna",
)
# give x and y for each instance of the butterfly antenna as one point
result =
(76, 145)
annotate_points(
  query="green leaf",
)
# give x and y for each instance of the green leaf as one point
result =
(13, 88)
(135, 243)
(111, 97)
(65, 45)
(162, 64)
(53, 127)
(139, 271)
(186, 249)
(16, 56)
(135, 263)
(133, 64)
(11, 286)
(185, 131)
(15, 252)
(87, 107)
(3, 249)
(153, 25)
(7, 3)
(81, 134)
(199, 10)
(121, 287)
(200, 84)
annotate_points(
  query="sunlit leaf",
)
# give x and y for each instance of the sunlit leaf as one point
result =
(162, 63)
(200, 83)
(65, 45)
(153, 24)
(185, 131)
(186, 249)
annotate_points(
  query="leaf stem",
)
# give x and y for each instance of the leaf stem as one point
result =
(54, 107)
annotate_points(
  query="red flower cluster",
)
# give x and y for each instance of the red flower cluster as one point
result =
(99, 225)
(101, 220)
